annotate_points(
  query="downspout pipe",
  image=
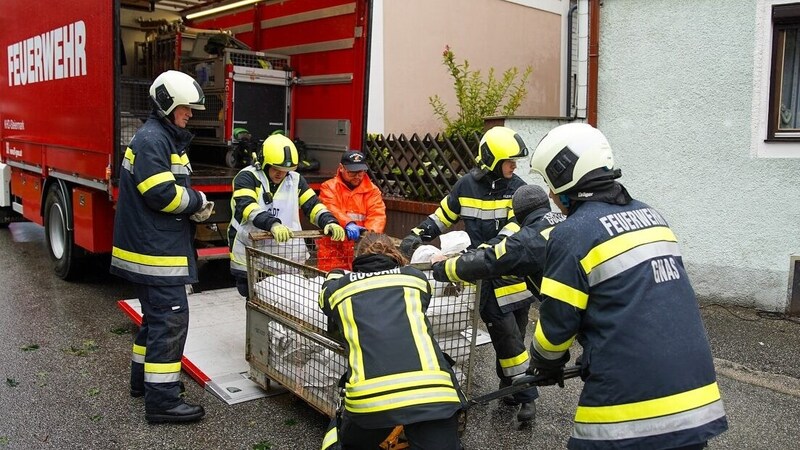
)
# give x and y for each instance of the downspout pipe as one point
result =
(594, 59)
(570, 25)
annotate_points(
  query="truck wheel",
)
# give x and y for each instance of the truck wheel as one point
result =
(60, 239)
(231, 158)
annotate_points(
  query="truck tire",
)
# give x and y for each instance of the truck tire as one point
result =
(60, 239)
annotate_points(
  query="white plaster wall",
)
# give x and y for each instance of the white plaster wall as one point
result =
(676, 96)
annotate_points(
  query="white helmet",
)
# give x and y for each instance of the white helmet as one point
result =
(572, 154)
(173, 88)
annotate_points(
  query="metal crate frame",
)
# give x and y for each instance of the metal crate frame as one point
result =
(261, 265)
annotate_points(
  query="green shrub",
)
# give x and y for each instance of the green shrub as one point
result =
(478, 98)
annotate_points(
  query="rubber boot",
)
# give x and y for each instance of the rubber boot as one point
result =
(527, 412)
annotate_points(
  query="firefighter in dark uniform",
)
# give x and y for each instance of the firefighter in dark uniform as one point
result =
(397, 374)
(153, 243)
(521, 254)
(614, 279)
(268, 195)
(482, 198)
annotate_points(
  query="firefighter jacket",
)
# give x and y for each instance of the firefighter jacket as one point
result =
(153, 238)
(614, 278)
(362, 204)
(483, 201)
(397, 374)
(257, 204)
(520, 254)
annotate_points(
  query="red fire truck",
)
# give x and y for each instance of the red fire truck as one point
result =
(74, 89)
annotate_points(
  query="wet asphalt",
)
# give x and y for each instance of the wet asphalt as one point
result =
(65, 352)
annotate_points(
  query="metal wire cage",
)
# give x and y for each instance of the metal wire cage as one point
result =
(288, 339)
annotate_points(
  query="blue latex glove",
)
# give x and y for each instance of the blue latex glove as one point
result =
(353, 231)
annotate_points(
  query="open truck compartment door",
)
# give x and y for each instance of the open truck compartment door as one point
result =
(74, 89)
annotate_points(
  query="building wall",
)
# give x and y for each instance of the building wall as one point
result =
(487, 33)
(678, 85)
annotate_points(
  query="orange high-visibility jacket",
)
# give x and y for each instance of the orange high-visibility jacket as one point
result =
(362, 205)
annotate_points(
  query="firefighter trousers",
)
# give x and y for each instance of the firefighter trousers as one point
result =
(433, 434)
(507, 330)
(158, 347)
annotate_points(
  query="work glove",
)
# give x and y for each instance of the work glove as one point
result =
(411, 242)
(280, 232)
(335, 231)
(203, 213)
(354, 231)
(552, 371)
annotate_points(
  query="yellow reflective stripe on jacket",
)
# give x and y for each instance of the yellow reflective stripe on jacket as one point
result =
(444, 215)
(624, 242)
(380, 281)
(485, 209)
(544, 347)
(511, 293)
(163, 177)
(546, 233)
(356, 356)
(647, 409)
(249, 210)
(331, 437)
(644, 428)
(566, 294)
(419, 330)
(500, 249)
(318, 209)
(245, 193)
(160, 266)
(179, 165)
(402, 399)
(632, 258)
(178, 200)
(127, 161)
(398, 381)
(306, 196)
(450, 269)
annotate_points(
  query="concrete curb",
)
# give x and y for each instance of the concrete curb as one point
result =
(779, 383)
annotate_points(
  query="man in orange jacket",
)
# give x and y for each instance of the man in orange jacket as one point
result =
(352, 198)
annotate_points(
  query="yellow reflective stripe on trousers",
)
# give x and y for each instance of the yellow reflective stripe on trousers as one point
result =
(515, 365)
(512, 293)
(162, 266)
(648, 409)
(624, 242)
(138, 353)
(398, 381)
(162, 372)
(416, 321)
(566, 294)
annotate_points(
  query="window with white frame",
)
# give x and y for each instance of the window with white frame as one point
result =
(784, 97)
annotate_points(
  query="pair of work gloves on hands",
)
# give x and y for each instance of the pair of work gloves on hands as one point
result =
(282, 233)
(206, 208)
(411, 242)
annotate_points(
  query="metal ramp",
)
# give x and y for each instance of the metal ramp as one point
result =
(214, 355)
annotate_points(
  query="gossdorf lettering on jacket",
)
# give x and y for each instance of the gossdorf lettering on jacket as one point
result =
(354, 276)
(52, 55)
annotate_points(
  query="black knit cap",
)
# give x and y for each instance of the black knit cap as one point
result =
(527, 199)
